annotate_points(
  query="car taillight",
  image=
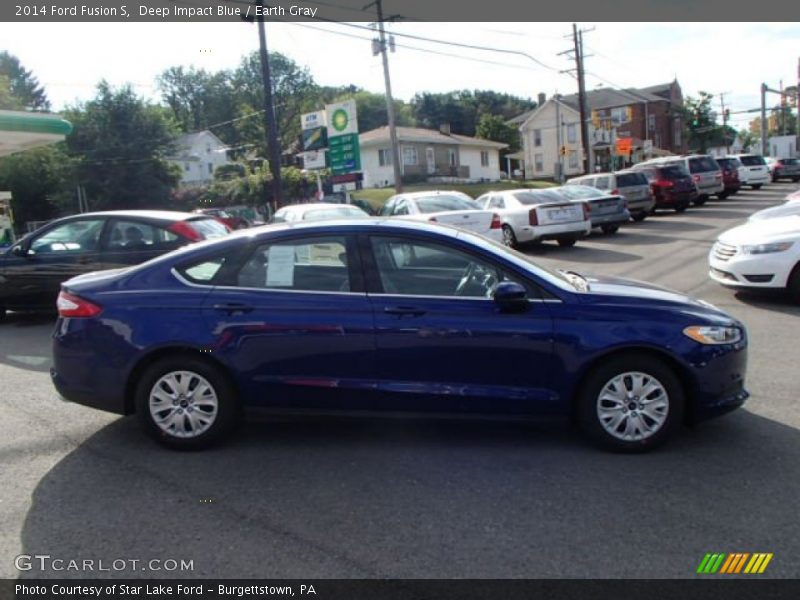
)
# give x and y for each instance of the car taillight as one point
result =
(70, 305)
(615, 192)
(665, 183)
(586, 210)
(185, 230)
(718, 175)
(496, 222)
(533, 218)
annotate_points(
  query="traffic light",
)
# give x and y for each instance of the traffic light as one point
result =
(727, 114)
(696, 118)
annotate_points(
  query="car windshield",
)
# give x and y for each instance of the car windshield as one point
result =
(752, 161)
(337, 212)
(702, 164)
(443, 202)
(539, 197)
(580, 192)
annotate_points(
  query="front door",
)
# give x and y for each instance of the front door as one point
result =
(442, 342)
(430, 160)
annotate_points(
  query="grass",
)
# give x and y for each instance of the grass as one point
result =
(377, 197)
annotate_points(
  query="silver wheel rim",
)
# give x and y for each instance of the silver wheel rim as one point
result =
(633, 406)
(508, 236)
(183, 404)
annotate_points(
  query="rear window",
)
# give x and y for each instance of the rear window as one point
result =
(702, 164)
(673, 172)
(209, 229)
(628, 179)
(443, 202)
(539, 196)
(752, 161)
(580, 192)
(789, 161)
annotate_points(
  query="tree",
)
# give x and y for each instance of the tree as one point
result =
(462, 109)
(24, 88)
(497, 129)
(121, 143)
(749, 139)
(700, 120)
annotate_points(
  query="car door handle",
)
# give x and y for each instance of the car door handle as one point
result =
(402, 311)
(233, 308)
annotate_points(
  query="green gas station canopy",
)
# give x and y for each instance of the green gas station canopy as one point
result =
(24, 130)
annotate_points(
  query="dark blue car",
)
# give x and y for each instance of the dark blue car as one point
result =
(388, 315)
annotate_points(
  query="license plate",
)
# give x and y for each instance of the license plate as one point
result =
(560, 214)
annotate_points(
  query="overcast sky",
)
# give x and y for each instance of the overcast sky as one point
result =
(735, 58)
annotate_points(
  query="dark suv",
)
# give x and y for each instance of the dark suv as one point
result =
(730, 175)
(672, 186)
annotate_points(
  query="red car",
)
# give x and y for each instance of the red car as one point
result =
(672, 186)
(231, 221)
(730, 176)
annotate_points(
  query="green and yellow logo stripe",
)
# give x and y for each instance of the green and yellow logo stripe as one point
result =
(734, 563)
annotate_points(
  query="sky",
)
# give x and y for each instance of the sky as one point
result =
(729, 58)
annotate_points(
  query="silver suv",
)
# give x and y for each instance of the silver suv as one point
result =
(633, 186)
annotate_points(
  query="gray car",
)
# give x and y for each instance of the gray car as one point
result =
(606, 211)
(631, 185)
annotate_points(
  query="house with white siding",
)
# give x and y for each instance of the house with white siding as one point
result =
(428, 155)
(198, 155)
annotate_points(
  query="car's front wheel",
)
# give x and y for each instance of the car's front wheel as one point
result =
(186, 403)
(640, 216)
(793, 284)
(756, 186)
(630, 403)
(610, 229)
(700, 200)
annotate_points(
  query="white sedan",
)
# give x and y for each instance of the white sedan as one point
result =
(446, 207)
(317, 211)
(759, 254)
(788, 208)
(537, 215)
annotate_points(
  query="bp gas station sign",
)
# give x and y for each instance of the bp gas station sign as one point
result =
(340, 138)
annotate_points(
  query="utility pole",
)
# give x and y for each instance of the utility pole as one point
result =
(724, 122)
(764, 149)
(398, 178)
(559, 142)
(270, 121)
(578, 40)
(797, 107)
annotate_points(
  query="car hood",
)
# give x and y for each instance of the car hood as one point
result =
(642, 291)
(783, 210)
(785, 228)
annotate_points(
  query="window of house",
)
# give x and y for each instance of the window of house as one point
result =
(451, 157)
(621, 114)
(572, 134)
(573, 159)
(538, 162)
(484, 158)
(537, 137)
(409, 155)
(651, 122)
(385, 157)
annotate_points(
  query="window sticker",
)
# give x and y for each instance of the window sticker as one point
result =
(280, 266)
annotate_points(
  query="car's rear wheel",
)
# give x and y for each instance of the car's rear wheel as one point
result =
(2, 313)
(795, 179)
(566, 242)
(679, 208)
(722, 195)
(700, 200)
(630, 403)
(756, 186)
(509, 239)
(639, 216)
(610, 229)
(186, 403)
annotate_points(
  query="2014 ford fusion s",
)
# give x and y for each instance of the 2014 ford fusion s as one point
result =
(388, 315)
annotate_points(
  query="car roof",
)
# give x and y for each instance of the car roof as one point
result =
(313, 206)
(413, 195)
(160, 215)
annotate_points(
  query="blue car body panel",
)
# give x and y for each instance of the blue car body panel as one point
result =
(364, 349)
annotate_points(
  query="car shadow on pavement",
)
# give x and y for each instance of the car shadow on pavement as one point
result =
(25, 341)
(662, 222)
(367, 497)
(772, 300)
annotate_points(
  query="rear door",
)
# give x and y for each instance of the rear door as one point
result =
(32, 275)
(134, 241)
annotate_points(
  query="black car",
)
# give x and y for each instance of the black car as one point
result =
(672, 186)
(31, 271)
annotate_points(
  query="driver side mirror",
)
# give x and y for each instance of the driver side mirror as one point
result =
(19, 251)
(510, 296)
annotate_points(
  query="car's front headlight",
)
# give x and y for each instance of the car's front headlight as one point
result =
(713, 334)
(767, 248)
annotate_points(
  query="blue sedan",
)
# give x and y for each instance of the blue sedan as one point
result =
(386, 315)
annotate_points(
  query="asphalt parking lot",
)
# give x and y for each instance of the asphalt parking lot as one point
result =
(385, 498)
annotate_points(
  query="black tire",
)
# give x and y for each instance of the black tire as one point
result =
(679, 208)
(722, 195)
(602, 375)
(795, 179)
(700, 200)
(610, 229)
(756, 186)
(509, 238)
(2, 313)
(567, 242)
(793, 284)
(228, 413)
(639, 216)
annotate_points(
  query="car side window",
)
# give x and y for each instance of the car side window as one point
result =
(312, 264)
(421, 268)
(496, 202)
(388, 207)
(401, 208)
(137, 235)
(82, 235)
